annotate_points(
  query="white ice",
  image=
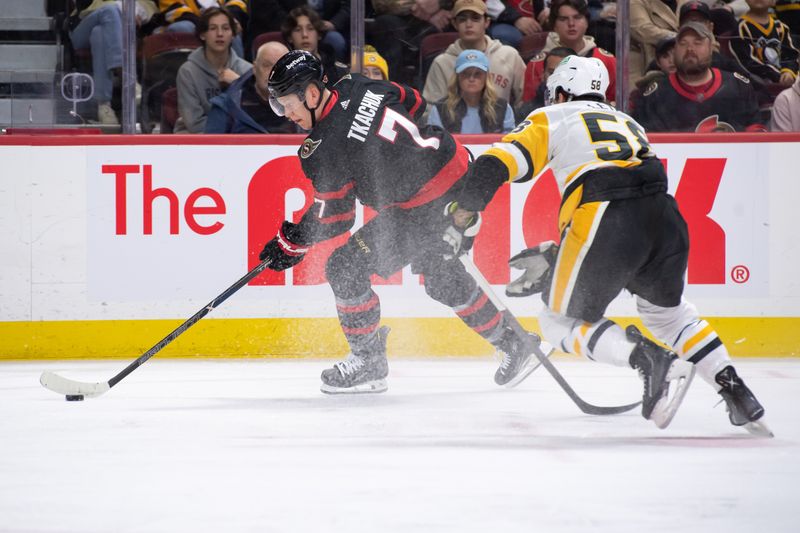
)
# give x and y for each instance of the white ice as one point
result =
(252, 445)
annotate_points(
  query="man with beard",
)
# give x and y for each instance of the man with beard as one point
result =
(697, 97)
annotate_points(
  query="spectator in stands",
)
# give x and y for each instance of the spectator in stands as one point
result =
(472, 106)
(208, 70)
(303, 29)
(657, 71)
(786, 109)
(698, 11)
(697, 97)
(374, 67)
(267, 16)
(511, 20)
(506, 67)
(651, 22)
(244, 106)
(183, 16)
(97, 25)
(569, 20)
(551, 61)
(766, 48)
(788, 12)
(398, 28)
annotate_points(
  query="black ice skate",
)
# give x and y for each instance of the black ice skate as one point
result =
(659, 368)
(743, 408)
(518, 359)
(361, 373)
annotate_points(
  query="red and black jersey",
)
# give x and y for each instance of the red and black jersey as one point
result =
(368, 146)
(727, 103)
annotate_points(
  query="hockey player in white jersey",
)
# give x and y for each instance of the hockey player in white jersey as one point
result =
(620, 229)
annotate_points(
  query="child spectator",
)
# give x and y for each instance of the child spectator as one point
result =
(766, 48)
(375, 67)
(208, 70)
(303, 29)
(651, 22)
(506, 67)
(472, 105)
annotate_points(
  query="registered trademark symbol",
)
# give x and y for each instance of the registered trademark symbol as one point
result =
(740, 274)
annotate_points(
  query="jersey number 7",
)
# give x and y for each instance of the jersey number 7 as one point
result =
(392, 119)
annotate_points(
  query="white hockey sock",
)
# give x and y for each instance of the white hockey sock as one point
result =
(606, 342)
(699, 343)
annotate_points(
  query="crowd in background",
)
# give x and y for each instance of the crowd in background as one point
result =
(693, 65)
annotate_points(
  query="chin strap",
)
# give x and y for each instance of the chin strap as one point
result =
(314, 109)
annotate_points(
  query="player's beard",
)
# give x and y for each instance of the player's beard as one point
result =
(692, 66)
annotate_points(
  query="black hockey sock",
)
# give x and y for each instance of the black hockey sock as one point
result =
(482, 316)
(359, 318)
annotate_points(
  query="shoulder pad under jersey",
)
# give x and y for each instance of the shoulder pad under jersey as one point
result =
(650, 89)
(539, 57)
(741, 77)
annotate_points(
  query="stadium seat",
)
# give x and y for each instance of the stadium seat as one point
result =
(162, 56)
(169, 109)
(430, 47)
(532, 45)
(266, 37)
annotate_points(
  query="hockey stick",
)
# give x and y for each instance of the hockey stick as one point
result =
(584, 406)
(77, 390)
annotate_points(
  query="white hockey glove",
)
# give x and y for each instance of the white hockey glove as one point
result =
(460, 234)
(537, 262)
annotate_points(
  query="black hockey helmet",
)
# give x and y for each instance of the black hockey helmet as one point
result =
(292, 73)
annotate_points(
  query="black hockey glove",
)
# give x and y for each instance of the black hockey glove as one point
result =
(537, 262)
(461, 230)
(282, 252)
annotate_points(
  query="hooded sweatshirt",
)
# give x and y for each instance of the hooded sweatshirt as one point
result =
(197, 84)
(786, 109)
(506, 71)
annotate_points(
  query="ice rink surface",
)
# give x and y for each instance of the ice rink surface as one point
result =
(252, 445)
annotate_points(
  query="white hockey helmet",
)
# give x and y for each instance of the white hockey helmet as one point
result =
(578, 76)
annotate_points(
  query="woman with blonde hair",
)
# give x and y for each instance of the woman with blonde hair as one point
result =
(472, 105)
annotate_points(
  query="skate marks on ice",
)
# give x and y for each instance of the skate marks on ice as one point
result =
(254, 446)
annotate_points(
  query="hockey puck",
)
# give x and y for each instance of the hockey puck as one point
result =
(74, 397)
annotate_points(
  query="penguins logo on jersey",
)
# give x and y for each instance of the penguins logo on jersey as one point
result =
(308, 148)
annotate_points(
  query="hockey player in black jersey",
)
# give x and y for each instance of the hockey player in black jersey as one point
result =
(364, 144)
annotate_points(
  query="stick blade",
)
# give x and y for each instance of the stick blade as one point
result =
(70, 387)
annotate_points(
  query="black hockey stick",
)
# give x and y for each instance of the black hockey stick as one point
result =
(512, 321)
(77, 390)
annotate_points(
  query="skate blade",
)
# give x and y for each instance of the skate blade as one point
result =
(759, 428)
(680, 376)
(531, 364)
(370, 387)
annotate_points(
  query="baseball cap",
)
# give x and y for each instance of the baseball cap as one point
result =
(478, 6)
(694, 7)
(471, 58)
(374, 59)
(698, 27)
(664, 45)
